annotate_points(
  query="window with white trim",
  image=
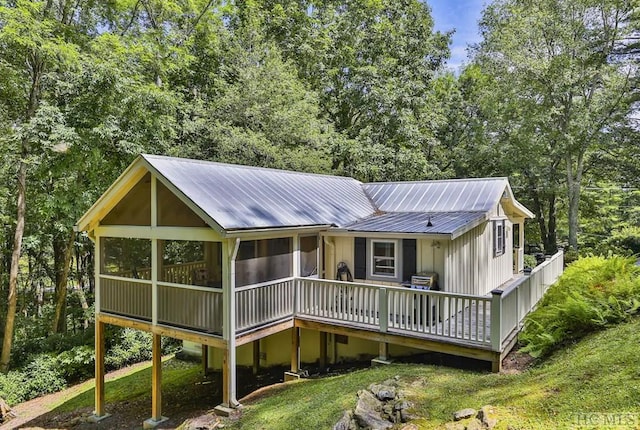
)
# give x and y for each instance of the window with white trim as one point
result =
(384, 258)
(498, 238)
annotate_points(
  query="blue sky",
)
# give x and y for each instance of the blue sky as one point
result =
(463, 16)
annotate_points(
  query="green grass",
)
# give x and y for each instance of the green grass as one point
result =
(600, 374)
(134, 384)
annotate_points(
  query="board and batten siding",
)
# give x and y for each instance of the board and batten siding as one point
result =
(344, 251)
(466, 268)
(431, 255)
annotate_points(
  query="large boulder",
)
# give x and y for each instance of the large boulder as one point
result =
(368, 412)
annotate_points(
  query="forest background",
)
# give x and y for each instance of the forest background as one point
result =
(358, 87)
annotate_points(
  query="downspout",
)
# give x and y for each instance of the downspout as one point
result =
(231, 342)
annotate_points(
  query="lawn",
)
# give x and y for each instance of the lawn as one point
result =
(600, 374)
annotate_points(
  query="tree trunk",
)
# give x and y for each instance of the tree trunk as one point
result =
(63, 251)
(15, 266)
(574, 185)
(83, 302)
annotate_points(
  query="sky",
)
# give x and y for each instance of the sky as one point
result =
(461, 16)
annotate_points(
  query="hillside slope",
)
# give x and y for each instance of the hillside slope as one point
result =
(598, 376)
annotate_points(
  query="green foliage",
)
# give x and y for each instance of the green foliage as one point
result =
(530, 261)
(128, 346)
(40, 377)
(593, 293)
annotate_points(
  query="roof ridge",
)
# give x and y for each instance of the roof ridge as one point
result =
(245, 167)
(431, 181)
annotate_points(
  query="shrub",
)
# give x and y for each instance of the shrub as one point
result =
(593, 293)
(625, 241)
(40, 377)
(77, 363)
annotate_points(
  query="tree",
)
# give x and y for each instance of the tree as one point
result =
(559, 90)
(30, 49)
(372, 64)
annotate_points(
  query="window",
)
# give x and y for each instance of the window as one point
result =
(498, 238)
(384, 261)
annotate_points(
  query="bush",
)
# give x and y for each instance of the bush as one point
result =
(40, 377)
(625, 241)
(593, 293)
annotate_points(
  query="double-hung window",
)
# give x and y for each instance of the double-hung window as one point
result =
(384, 258)
(498, 238)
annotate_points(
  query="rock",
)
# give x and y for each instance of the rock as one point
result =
(367, 412)
(401, 405)
(344, 422)
(474, 424)
(463, 414)
(387, 411)
(383, 391)
(454, 426)
(405, 416)
(487, 416)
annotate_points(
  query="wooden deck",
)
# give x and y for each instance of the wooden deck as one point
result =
(473, 326)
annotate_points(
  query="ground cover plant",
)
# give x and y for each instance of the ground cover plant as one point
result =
(593, 293)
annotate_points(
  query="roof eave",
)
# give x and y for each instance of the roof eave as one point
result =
(274, 231)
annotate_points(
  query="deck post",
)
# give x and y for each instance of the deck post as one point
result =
(295, 356)
(496, 324)
(383, 313)
(323, 350)
(156, 385)
(98, 413)
(205, 359)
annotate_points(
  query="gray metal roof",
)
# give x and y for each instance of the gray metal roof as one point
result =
(241, 197)
(450, 223)
(459, 195)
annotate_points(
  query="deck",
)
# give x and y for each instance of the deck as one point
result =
(474, 326)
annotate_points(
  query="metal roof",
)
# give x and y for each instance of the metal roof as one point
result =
(241, 197)
(459, 195)
(450, 223)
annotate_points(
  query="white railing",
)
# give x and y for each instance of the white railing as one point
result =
(510, 306)
(261, 304)
(395, 309)
(339, 301)
(440, 314)
(487, 321)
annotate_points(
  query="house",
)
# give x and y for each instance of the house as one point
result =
(246, 261)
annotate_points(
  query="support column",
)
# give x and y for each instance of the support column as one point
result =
(295, 356)
(98, 413)
(229, 401)
(323, 350)
(156, 385)
(383, 355)
(205, 359)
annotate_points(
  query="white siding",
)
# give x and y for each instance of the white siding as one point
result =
(431, 255)
(467, 262)
(343, 252)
